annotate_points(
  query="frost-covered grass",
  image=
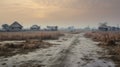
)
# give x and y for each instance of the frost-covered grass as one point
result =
(13, 48)
(42, 56)
(109, 40)
(72, 50)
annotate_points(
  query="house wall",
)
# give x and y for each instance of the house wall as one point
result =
(109, 29)
(15, 28)
(103, 29)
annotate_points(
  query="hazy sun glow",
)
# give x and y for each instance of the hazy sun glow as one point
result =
(60, 12)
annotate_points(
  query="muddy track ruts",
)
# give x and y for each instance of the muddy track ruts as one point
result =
(61, 61)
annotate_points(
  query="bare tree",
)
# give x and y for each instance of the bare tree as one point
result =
(5, 27)
(103, 24)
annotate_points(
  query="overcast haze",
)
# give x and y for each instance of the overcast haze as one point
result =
(79, 13)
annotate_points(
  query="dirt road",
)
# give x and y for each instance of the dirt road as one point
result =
(73, 50)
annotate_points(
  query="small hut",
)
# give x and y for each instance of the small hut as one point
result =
(52, 28)
(35, 27)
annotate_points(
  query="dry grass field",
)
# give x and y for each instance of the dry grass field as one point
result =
(31, 41)
(29, 35)
(10, 49)
(108, 40)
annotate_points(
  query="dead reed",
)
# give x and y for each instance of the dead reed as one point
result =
(110, 41)
(43, 35)
(33, 40)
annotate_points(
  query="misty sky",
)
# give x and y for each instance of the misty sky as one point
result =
(80, 13)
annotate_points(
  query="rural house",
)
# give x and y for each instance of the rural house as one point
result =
(35, 27)
(15, 26)
(52, 28)
(71, 28)
(104, 27)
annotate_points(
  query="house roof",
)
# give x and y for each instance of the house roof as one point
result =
(35, 26)
(51, 26)
(16, 24)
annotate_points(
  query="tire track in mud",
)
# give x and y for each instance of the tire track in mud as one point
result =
(61, 60)
(74, 51)
(82, 52)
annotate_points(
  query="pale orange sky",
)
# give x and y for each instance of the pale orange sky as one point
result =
(63, 13)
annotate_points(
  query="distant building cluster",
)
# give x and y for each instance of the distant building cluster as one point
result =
(15, 26)
(105, 27)
(71, 28)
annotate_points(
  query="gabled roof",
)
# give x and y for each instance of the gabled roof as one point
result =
(16, 24)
